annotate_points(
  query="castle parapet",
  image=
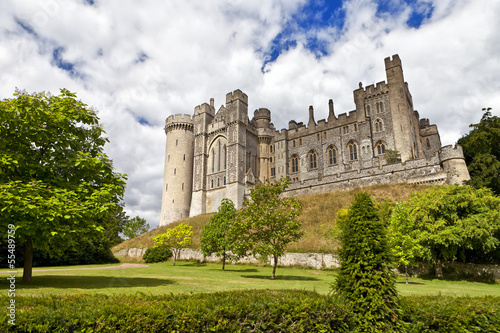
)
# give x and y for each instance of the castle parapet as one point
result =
(237, 95)
(179, 121)
(449, 152)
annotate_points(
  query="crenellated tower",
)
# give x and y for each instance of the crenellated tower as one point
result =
(178, 172)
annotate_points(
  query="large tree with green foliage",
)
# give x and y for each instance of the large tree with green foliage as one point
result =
(134, 227)
(482, 152)
(405, 248)
(217, 236)
(176, 239)
(365, 280)
(56, 182)
(452, 222)
(268, 222)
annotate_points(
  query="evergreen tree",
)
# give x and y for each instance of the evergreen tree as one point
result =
(365, 281)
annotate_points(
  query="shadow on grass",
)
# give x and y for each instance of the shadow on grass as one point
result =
(245, 270)
(190, 264)
(281, 277)
(90, 282)
(414, 283)
(487, 279)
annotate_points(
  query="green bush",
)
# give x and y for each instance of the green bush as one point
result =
(157, 254)
(238, 311)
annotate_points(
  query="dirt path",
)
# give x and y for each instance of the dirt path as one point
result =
(122, 266)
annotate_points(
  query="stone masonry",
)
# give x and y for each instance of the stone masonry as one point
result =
(213, 155)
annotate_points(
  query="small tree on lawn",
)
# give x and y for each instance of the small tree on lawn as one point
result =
(215, 236)
(268, 223)
(134, 227)
(403, 242)
(365, 281)
(176, 238)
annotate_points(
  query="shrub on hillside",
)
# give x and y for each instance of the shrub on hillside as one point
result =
(157, 254)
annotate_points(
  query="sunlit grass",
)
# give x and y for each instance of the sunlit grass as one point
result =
(192, 277)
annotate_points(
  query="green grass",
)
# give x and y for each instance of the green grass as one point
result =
(192, 277)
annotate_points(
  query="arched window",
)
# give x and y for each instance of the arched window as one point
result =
(367, 110)
(294, 163)
(218, 160)
(332, 155)
(428, 142)
(225, 157)
(381, 106)
(380, 147)
(378, 108)
(313, 158)
(213, 160)
(378, 125)
(353, 151)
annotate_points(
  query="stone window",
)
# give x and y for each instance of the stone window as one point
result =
(428, 143)
(183, 186)
(168, 158)
(176, 142)
(218, 155)
(294, 163)
(166, 187)
(175, 170)
(378, 125)
(368, 110)
(332, 155)
(224, 180)
(380, 147)
(300, 141)
(355, 127)
(271, 159)
(346, 129)
(293, 143)
(273, 172)
(353, 151)
(212, 183)
(213, 160)
(317, 136)
(225, 157)
(313, 158)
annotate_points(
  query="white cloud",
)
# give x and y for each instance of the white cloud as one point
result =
(140, 62)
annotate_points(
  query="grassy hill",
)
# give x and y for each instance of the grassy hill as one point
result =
(318, 218)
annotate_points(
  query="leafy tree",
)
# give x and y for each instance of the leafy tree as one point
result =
(404, 245)
(449, 222)
(216, 235)
(392, 156)
(268, 223)
(134, 227)
(56, 183)
(365, 281)
(482, 152)
(176, 238)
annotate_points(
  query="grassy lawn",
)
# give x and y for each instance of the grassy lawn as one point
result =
(192, 277)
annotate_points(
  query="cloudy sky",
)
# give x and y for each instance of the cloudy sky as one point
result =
(138, 62)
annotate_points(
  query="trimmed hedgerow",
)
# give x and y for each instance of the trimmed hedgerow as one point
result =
(238, 311)
(157, 253)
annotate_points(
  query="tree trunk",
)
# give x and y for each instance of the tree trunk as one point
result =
(28, 261)
(439, 269)
(175, 256)
(274, 266)
(223, 260)
(406, 273)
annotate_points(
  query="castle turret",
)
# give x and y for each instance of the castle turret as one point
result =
(178, 172)
(405, 131)
(452, 159)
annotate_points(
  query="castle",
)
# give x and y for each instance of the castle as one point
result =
(221, 154)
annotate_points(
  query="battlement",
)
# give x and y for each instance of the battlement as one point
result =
(179, 121)
(262, 113)
(449, 152)
(380, 88)
(205, 108)
(237, 95)
(179, 118)
(396, 61)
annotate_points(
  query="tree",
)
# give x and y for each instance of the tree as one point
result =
(450, 222)
(134, 227)
(56, 183)
(482, 152)
(404, 245)
(268, 223)
(365, 280)
(176, 238)
(216, 235)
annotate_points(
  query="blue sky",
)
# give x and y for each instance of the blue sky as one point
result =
(139, 62)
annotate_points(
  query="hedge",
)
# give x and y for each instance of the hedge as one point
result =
(237, 311)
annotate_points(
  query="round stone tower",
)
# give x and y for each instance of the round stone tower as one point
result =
(453, 162)
(178, 174)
